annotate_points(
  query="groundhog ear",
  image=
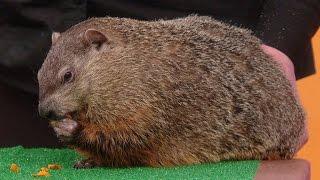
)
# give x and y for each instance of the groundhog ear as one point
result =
(54, 37)
(95, 37)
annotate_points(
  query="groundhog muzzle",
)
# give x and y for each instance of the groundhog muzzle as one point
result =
(125, 92)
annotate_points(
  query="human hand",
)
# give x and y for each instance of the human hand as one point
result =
(285, 63)
(288, 69)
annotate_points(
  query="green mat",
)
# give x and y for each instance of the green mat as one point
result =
(31, 160)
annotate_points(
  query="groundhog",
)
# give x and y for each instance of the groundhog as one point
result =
(125, 92)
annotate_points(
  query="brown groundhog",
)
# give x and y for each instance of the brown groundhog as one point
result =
(192, 90)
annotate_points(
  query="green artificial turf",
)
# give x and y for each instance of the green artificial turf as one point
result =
(31, 160)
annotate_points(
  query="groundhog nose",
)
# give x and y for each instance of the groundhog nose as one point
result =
(47, 114)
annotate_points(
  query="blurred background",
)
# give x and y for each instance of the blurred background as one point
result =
(26, 27)
(309, 89)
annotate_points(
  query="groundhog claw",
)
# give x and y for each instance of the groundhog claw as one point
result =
(85, 164)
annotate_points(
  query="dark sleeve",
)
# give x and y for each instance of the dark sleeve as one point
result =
(289, 25)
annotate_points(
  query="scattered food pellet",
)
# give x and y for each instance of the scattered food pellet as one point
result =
(14, 168)
(44, 169)
(54, 166)
(43, 172)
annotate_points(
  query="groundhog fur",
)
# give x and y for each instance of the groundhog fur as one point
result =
(162, 93)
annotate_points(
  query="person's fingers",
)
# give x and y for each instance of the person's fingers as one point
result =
(280, 57)
(288, 69)
(284, 62)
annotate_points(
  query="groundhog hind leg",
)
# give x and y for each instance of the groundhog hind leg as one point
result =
(87, 163)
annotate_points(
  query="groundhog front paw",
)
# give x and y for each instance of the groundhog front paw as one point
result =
(65, 129)
(86, 164)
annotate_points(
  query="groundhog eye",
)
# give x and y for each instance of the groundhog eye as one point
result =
(67, 77)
